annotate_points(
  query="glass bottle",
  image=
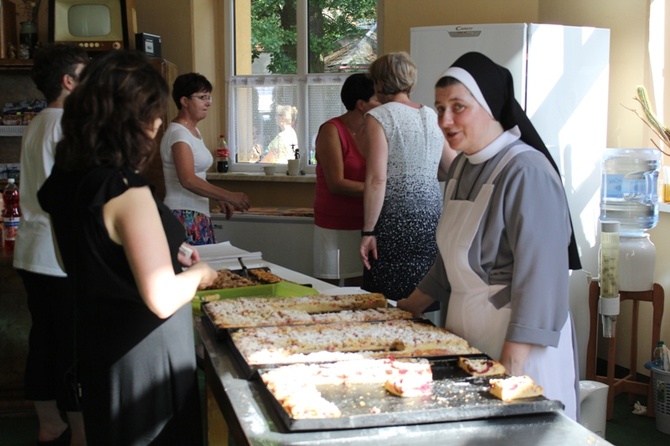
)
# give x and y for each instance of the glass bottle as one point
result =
(28, 36)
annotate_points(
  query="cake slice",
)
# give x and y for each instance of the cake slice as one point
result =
(514, 388)
(410, 379)
(481, 367)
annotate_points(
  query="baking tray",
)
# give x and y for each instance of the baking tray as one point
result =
(221, 333)
(455, 396)
(280, 289)
(250, 371)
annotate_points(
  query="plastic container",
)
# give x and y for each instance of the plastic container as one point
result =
(629, 192)
(661, 391)
(608, 303)
(609, 259)
(11, 214)
(637, 262)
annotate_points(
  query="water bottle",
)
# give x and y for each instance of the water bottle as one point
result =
(11, 214)
(657, 358)
(629, 191)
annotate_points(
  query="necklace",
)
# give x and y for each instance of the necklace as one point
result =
(189, 126)
(354, 132)
(353, 119)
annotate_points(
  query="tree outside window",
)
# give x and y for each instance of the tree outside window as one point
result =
(293, 55)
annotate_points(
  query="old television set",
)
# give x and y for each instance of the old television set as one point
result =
(95, 25)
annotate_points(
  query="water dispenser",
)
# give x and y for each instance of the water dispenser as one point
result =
(629, 195)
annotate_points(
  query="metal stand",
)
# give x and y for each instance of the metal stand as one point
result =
(627, 384)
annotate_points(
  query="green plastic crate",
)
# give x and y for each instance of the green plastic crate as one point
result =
(280, 289)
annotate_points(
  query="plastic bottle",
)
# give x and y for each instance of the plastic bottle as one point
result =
(657, 359)
(222, 155)
(2, 207)
(629, 192)
(11, 214)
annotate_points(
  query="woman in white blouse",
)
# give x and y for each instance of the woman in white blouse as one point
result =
(186, 159)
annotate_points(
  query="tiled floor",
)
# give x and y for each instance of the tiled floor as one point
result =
(628, 429)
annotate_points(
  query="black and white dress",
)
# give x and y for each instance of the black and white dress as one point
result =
(412, 203)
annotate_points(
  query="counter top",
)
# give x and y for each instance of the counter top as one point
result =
(270, 211)
(260, 177)
(252, 421)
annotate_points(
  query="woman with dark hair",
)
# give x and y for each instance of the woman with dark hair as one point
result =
(121, 248)
(340, 177)
(505, 236)
(186, 159)
(402, 198)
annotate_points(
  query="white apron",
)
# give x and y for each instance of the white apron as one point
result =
(471, 315)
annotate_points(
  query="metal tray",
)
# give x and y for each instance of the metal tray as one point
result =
(455, 396)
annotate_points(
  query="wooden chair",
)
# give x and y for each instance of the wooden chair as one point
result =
(629, 383)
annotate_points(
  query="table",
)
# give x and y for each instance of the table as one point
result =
(238, 407)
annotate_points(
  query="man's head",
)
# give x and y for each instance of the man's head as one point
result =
(51, 66)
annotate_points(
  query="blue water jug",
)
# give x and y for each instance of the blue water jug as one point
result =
(629, 189)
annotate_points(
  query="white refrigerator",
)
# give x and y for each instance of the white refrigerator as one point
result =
(561, 77)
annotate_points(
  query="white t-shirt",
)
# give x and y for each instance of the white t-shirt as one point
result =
(35, 248)
(176, 196)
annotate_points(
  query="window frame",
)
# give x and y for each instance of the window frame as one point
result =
(301, 78)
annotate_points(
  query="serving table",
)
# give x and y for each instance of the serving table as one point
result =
(239, 408)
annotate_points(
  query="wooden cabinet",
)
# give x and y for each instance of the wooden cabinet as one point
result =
(154, 172)
(15, 75)
(16, 65)
(15, 84)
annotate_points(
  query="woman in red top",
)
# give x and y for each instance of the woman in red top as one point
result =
(340, 176)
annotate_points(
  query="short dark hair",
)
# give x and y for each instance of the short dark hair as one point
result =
(188, 84)
(355, 87)
(51, 63)
(107, 118)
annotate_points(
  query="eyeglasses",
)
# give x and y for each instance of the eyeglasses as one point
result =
(202, 97)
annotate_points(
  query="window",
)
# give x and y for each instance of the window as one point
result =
(288, 60)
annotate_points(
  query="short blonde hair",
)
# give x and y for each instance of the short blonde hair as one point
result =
(287, 112)
(393, 73)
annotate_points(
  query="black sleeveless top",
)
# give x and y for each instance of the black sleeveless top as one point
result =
(137, 371)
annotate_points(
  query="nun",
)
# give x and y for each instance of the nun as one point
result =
(505, 234)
